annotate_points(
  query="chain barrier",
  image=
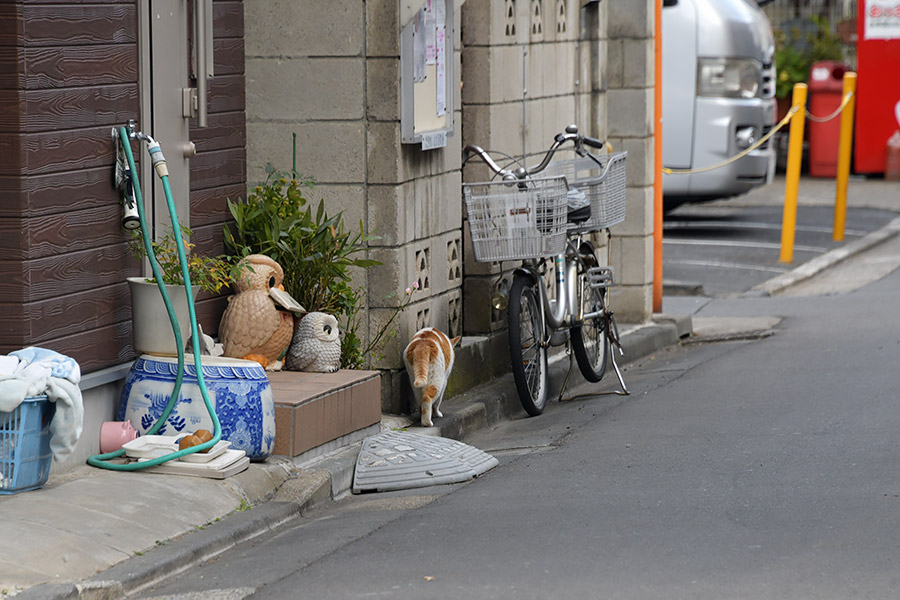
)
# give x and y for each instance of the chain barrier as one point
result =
(742, 154)
(840, 109)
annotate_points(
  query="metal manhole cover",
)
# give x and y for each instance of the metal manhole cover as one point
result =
(398, 460)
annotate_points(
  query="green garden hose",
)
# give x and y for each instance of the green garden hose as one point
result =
(159, 165)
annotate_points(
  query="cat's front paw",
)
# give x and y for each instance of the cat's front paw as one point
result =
(438, 413)
(426, 422)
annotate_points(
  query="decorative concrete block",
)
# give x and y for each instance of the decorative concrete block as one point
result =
(536, 21)
(300, 89)
(615, 63)
(280, 28)
(446, 262)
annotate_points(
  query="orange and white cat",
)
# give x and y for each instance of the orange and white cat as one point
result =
(429, 360)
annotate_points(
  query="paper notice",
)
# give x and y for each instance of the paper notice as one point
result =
(430, 49)
(419, 46)
(441, 70)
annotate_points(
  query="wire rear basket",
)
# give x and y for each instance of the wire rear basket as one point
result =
(25, 454)
(517, 220)
(603, 184)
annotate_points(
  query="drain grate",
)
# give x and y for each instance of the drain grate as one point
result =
(398, 460)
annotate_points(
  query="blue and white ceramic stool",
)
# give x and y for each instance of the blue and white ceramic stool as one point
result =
(239, 391)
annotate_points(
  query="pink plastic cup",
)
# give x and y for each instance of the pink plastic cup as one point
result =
(115, 434)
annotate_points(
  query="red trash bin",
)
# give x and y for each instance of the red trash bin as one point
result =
(826, 82)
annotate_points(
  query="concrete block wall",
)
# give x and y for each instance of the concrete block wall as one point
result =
(526, 69)
(629, 104)
(331, 74)
(530, 68)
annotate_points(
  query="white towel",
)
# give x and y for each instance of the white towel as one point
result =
(38, 372)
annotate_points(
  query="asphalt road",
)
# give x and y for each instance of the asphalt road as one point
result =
(727, 248)
(758, 468)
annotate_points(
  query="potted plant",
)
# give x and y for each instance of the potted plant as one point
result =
(151, 326)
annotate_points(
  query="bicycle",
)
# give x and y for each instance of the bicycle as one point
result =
(523, 216)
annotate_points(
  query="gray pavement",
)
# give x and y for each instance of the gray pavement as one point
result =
(100, 534)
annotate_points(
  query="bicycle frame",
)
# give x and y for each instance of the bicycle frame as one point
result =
(567, 309)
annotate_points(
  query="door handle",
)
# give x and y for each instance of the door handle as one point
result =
(203, 46)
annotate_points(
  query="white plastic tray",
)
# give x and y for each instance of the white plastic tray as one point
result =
(154, 446)
(151, 446)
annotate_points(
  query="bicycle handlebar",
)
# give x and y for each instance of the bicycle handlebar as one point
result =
(571, 135)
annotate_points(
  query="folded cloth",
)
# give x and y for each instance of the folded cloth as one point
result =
(42, 372)
(58, 364)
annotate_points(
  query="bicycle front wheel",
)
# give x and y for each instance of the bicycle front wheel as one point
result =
(529, 359)
(590, 341)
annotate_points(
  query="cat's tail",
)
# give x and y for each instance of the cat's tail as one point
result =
(421, 361)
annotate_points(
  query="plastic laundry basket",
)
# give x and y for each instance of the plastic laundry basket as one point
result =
(25, 445)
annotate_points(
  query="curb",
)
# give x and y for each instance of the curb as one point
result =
(328, 478)
(807, 270)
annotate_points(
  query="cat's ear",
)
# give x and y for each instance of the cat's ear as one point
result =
(455, 341)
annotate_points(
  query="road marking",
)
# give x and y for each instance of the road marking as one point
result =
(731, 244)
(727, 265)
(772, 226)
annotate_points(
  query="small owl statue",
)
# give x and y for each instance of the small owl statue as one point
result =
(316, 346)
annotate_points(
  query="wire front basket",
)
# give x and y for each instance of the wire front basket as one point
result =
(603, 184)
(517, 220)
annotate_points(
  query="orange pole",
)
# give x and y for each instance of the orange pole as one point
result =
(792, 175)
(843, 165)
(657, 168)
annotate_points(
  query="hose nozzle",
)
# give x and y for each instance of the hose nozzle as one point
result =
(157, 159)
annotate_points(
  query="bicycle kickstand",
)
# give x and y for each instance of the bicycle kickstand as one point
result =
(565, 384)
(612, 332)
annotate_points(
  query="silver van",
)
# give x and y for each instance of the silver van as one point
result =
(718, 97)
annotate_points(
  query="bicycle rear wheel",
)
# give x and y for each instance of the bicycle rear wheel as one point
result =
(590, 341)
(529, 359)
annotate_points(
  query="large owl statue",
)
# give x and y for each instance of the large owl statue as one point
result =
(258, 322)
(316, 346)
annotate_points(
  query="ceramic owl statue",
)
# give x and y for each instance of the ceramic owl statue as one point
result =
(258, 322)
(316, 346)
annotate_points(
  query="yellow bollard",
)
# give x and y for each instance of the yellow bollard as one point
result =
(843, 165)
(792, 176)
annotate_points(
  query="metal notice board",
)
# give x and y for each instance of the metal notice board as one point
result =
(426, 75)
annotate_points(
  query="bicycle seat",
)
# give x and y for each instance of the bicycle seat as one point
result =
(579, 207)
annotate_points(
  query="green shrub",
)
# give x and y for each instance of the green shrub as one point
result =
(314, 249)
(796, 52)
